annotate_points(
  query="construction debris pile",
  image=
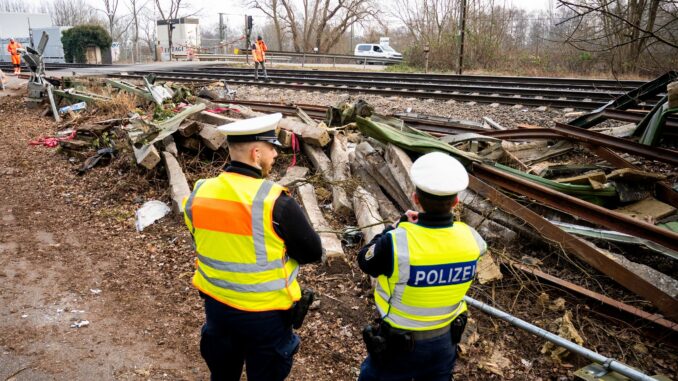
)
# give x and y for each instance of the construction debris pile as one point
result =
(606, 196)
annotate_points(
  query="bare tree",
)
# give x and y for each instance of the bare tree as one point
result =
(110, 10)
(135, 8)
(14, 6)
(72, 12)
(168, 13)
(625, 30)
(314, 23)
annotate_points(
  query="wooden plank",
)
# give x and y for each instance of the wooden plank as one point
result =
(649, 209)
(598, 176)
(331, 244)
(631, 174)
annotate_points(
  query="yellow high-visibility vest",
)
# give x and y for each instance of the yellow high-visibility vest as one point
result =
(433, 269)
(241, 261)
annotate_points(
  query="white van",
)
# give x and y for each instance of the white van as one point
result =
(376, 51)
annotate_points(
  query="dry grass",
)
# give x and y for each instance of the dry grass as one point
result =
(121, 103)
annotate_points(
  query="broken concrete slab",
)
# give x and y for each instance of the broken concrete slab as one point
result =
(315, 135)
(293, 176)
(386, 208)
(147, 156)
(170, 145)
(367, 214)
(400, 165)
(319, 159)
(330, 242)
(341, 173)
(377, 167)
(212, 118)
(212, 137)
(189, 128)
(179, 189)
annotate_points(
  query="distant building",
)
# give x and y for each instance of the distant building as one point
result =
(18, 26)
(185, 35)
(54, 51)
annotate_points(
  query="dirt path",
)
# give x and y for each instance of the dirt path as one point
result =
(61, 264)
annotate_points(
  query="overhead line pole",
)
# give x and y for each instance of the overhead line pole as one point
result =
(461, 44)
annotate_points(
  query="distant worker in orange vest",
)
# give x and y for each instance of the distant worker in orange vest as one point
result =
(12, 48)
(258, 54)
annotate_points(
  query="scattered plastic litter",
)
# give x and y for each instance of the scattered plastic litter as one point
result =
(80, 324)
(150, 212)
(73, 107)
(95, 291)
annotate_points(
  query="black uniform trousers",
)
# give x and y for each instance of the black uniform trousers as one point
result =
(264, 341)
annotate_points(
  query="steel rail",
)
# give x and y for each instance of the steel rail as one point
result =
(577, 207)
(602, 97)
(560, 103)
(582, 135)
(539, 81)
(607, 362)
(396, 77)
(637, 312)
(606, 265)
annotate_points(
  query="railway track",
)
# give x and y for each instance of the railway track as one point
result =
(508, 81)
(484, 93)
(52, 66)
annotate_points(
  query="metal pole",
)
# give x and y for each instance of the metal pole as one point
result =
(606, 362)
(461, 44)
(221, 33)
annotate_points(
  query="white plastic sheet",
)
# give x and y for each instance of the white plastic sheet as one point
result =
(150, 212)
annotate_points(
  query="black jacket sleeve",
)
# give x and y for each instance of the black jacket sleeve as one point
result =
(290, 223)
(376, 258)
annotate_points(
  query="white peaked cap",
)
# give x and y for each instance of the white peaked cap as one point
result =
(439, 174)
(252, 126)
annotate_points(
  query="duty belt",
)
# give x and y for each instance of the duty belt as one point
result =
(423, 335)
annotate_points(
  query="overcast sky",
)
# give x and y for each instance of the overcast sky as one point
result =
(235, 11)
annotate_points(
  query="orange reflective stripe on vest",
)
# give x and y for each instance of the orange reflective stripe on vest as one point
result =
(241, 261)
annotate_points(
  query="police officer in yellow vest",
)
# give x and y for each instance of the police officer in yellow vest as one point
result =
(250, 238)
(424, 267)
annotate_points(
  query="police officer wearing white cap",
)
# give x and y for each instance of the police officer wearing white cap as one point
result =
(250, 238)
(424, 266)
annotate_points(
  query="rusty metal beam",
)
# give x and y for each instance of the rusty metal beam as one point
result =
(637, 312)
(575, 206)
(635, 117)
(582, 135)
(609, 156)
(625, 277)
